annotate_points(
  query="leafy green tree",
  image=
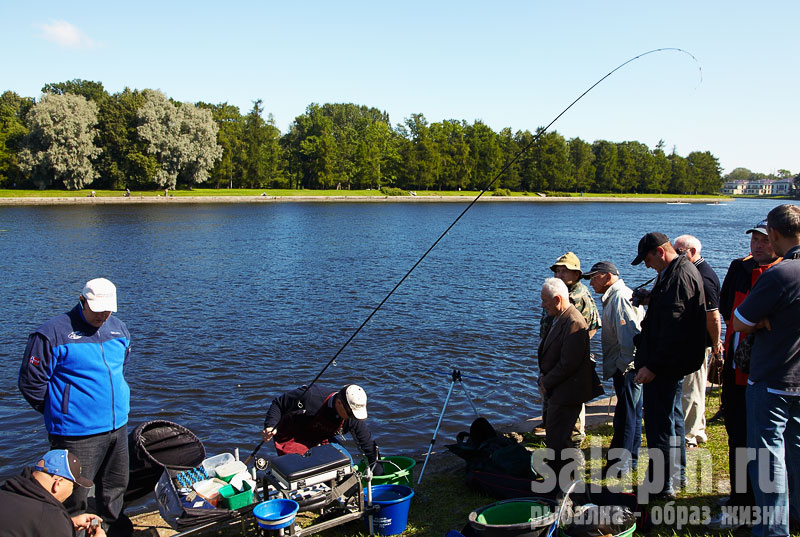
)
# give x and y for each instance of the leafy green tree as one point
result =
(581, 164)
(125, 161)
(449, 137)
(511, 178)
(485, 154)
(628, 178)
(657, 180)
(13, 109)
(704, 172)
(379, 154)
(551, 150)
(739, 174)
(605, 161)
(263, 155)
(530, 178)
(228, 171)
(679, 176)
(59, 146)
(182, 138)
(357, 148)
(93, 91)
(421, 156)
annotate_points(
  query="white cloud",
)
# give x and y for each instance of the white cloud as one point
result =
(66, 35)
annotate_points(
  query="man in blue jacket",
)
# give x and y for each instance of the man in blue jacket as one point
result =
(73, 373)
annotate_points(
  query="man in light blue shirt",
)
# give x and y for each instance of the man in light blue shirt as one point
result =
(621, 321)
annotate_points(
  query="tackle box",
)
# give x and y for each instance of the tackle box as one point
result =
(318, 465)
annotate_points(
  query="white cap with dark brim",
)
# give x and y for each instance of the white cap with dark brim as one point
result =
(354, 399)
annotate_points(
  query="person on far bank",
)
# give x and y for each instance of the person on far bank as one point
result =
(622, 321)
(771, 312)
(693, 392)
(670, 346)
(73, 373)
(567, 268)
(31, 504)
(307, 417)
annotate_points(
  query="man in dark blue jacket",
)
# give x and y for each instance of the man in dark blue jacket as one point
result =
(306, 417)
(73, 373)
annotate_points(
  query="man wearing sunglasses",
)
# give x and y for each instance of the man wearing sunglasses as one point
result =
(31, 503)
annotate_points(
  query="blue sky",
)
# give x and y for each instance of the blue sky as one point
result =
(509, 64)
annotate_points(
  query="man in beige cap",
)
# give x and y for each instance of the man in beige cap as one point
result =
(567, 268)
(73, 373)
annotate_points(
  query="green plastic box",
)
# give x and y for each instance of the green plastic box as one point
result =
(234, 500)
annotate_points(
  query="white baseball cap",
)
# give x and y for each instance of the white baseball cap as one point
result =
(355, 399)
(100, 295)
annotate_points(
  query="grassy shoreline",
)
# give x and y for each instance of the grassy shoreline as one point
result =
(59, 197)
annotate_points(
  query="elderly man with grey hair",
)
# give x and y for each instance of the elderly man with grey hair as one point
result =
(694, 385)
(622, 321)
(566, 371)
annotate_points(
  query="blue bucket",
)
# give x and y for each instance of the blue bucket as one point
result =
(275, 514)
(394, 502)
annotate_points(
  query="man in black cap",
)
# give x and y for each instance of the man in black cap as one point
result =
(621, 323)
(31, 503)
(671, 345)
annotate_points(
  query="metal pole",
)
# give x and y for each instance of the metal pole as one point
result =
(475, 410)
(436, 431)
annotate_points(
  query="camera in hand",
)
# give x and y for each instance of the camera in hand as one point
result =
(640, 296)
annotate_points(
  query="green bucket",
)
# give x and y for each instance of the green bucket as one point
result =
(398, 471)
(513, 513)
(518, 517)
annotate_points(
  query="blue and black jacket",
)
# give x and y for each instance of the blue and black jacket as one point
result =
(73, 373)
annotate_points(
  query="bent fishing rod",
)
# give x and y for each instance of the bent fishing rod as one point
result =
(515, 158)
(536, 137)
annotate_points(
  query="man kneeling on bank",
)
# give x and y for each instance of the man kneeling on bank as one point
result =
(306, 417)
(31, 503)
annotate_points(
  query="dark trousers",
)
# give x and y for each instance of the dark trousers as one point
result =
(104, 460)
(663, 425)
(561, 420)
(734, 410)
(627, 419)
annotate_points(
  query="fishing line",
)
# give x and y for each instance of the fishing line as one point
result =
(505, 168)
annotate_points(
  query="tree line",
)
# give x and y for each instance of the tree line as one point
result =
(77, 134)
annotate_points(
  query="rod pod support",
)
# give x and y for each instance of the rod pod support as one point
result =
(455, 377)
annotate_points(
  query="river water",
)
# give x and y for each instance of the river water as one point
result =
(229, 305)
